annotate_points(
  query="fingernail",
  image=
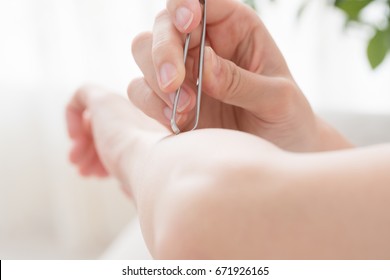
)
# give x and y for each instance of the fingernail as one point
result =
(184, 100)
(168, 114)
(184, 17)
(168, 74)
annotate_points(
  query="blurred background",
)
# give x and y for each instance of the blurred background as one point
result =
(48, 48)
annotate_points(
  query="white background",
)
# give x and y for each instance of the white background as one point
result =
(50, 47)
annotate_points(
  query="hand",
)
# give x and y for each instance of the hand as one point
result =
(247, 84)
(84, 152)
(104, 129)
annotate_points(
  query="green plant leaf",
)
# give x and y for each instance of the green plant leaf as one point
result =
(352, 8)
(378, 47)
(302, 8)
(251, 3)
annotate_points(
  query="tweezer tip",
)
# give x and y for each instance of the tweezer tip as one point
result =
(174, 127)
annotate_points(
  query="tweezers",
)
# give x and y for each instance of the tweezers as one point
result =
(174, 125)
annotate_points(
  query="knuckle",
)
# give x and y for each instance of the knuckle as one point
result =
(161, 15)
(140, 94)
(172, 6)
(162, 45)
(163, 37)
(287, 92)
(234, 81)
(141, 41)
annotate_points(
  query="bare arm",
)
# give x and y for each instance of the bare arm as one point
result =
(339, 205)
(216, 193)
(223, 194)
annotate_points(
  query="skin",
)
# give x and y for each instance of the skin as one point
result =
(239, 188)
(247, 84)
(236, 196)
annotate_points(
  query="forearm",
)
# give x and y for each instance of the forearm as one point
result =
(337, 206)
(224, 194)
(187, 187)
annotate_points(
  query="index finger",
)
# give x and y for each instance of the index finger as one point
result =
(187, 14)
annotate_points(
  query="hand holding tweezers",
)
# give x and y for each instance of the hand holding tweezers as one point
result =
(174, 125)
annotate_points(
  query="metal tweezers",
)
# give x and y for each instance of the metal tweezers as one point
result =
(174, 126)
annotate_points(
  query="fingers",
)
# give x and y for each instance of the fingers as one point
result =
(83, 153)
(74, 117)
(142, 52)
(226, 82)
(159, 55)
(77, 106)
(88, 159)
(167, 53)
(80, 100)
(77, 152)
(77, 113)
(143, 97)
(147, 100)
(187, 14)
(99, 170)
(152, 53)
(93, 167)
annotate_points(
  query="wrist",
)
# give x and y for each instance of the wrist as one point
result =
(132, 163)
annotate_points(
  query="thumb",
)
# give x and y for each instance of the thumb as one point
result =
(231, 84)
